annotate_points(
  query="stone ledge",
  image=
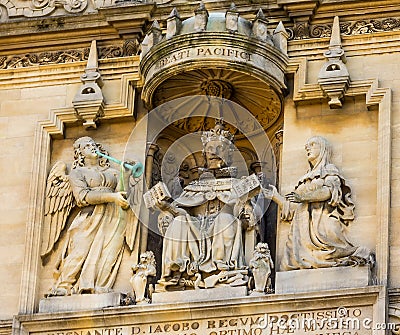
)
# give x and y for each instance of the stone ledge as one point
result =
(217, 293)
(309, 280)
(79, 302)
(217, 316)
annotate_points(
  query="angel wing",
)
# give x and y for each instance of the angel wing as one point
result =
(134, 196)
(58, 204)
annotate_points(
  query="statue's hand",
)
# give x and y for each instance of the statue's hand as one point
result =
(119, 199)
(130, 162)
(294, 197)
(166, 206)
(270, 192)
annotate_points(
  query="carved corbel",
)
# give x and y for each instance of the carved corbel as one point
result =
(231, 19)
(334, 79)
(260, 28)
(89, 101)
(174, 24)
(200, 18)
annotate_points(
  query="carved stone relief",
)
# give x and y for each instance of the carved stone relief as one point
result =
(249, 92)
(129, 48)
(203, 238)
(90, 259)
(346, 28)
(316, 238)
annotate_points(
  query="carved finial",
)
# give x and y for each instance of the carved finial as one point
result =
(280, 28)
(200, 18)
(260, 27)
(93, 57)
(232, 7)
(89, 101)
(201, 7)
(174, 24)
(231, 19)
(155, 25)
(334, 79)
(335, 36)
(174, 13)
(260, 15)
(154, 35)
(280, 37)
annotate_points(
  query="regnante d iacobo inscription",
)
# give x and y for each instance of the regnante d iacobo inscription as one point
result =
(319, 322)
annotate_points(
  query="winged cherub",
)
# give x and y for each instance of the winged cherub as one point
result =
(94, 244)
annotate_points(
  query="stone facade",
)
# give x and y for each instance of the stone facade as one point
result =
(118, 71)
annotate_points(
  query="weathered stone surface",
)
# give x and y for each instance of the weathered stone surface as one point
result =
(216, 293)
(309, 280)
(79, 302)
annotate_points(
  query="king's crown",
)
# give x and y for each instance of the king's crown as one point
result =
(218, 133)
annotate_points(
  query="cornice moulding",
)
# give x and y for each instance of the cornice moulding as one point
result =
(66, 73)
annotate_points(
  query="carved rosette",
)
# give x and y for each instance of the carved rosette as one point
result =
(217, 88)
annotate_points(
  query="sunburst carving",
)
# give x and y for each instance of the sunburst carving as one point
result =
(256, 96)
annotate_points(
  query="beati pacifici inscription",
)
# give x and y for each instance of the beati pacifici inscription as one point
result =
(205, 51)
(336, 321)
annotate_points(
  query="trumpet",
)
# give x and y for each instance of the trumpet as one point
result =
(137, 169)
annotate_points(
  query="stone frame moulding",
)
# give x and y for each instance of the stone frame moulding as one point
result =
(45, 131)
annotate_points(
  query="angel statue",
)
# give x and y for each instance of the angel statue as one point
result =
(92, 253)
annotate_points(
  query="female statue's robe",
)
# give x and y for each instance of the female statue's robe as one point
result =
(317, 238)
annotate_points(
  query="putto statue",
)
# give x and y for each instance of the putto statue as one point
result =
(145, 268)
(261, 265)
(204, 227)
(91, 256)
(319, 208)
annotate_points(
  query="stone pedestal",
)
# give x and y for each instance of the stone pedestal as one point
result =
(216, 293)
(79, 302)
(309, 280)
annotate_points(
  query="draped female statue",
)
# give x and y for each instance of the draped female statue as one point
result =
(319, 209)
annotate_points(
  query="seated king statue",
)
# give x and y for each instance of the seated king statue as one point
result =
(204, 229)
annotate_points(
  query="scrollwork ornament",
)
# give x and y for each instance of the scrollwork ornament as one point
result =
(390, 24)
(321, 31)
(75, 6)
(39, 4)
(111, 52)
(346, 28)
(59, 57)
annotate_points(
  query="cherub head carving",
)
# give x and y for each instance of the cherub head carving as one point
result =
(218, 146)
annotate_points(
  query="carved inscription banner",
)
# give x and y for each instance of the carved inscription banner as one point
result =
(201, 52)
(331, 321)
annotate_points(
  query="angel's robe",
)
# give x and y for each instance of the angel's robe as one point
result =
(95, 240)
